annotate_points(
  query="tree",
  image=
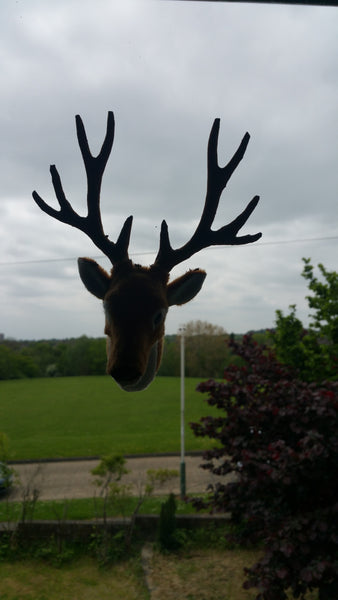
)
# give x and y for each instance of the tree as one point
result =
(83, 356)
(170, 365)
(300, 348)
(51, 358)
(313, 351)
(278, 436)
(324, 301)
(44, 354)
(15, 365)
(205, 349)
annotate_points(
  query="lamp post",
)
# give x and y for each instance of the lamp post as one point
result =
(182, 465)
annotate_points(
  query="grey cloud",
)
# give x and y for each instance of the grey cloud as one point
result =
(167, 70)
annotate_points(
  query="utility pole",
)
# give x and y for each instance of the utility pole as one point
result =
(182, 466)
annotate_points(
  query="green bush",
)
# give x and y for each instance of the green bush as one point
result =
(167, 538)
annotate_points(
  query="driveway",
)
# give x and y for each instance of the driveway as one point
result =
(73, 479)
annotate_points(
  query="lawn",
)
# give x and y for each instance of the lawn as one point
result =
(199, 574)
(205, 574)
(90, 416)
(36, 580)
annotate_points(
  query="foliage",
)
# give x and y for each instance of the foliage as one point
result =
(324, 301)
(205, 351)
(167, 525)
(110, 467)
(278, 439)
(108, 475)
(83, 356)
(52, 358)
(14, 365)
(314, 352)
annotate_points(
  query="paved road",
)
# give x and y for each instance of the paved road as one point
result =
(73, 479)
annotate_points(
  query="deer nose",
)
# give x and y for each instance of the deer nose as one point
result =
(125, 375)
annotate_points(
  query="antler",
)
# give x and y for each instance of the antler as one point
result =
(91, 224)
(203, 237)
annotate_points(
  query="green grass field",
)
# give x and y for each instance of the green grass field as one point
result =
(91, 416)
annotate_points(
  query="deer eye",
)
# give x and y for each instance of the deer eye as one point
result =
(159, 317)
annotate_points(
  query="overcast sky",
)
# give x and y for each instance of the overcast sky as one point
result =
(166, 69)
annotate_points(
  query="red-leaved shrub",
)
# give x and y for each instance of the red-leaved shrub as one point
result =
(278, 436)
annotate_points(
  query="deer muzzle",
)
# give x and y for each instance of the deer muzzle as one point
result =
(133, 378)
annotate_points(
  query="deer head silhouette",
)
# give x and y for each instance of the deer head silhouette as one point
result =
(136, 298)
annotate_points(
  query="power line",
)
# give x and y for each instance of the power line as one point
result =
(316, 239)
(258, 244)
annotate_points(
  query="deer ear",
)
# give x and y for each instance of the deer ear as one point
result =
(95, 279)
(185, 288)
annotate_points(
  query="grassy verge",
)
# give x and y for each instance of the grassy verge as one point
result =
(91, 416)
(88, 508)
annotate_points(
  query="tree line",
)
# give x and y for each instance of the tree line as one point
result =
(206, 354)
(51, 358)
